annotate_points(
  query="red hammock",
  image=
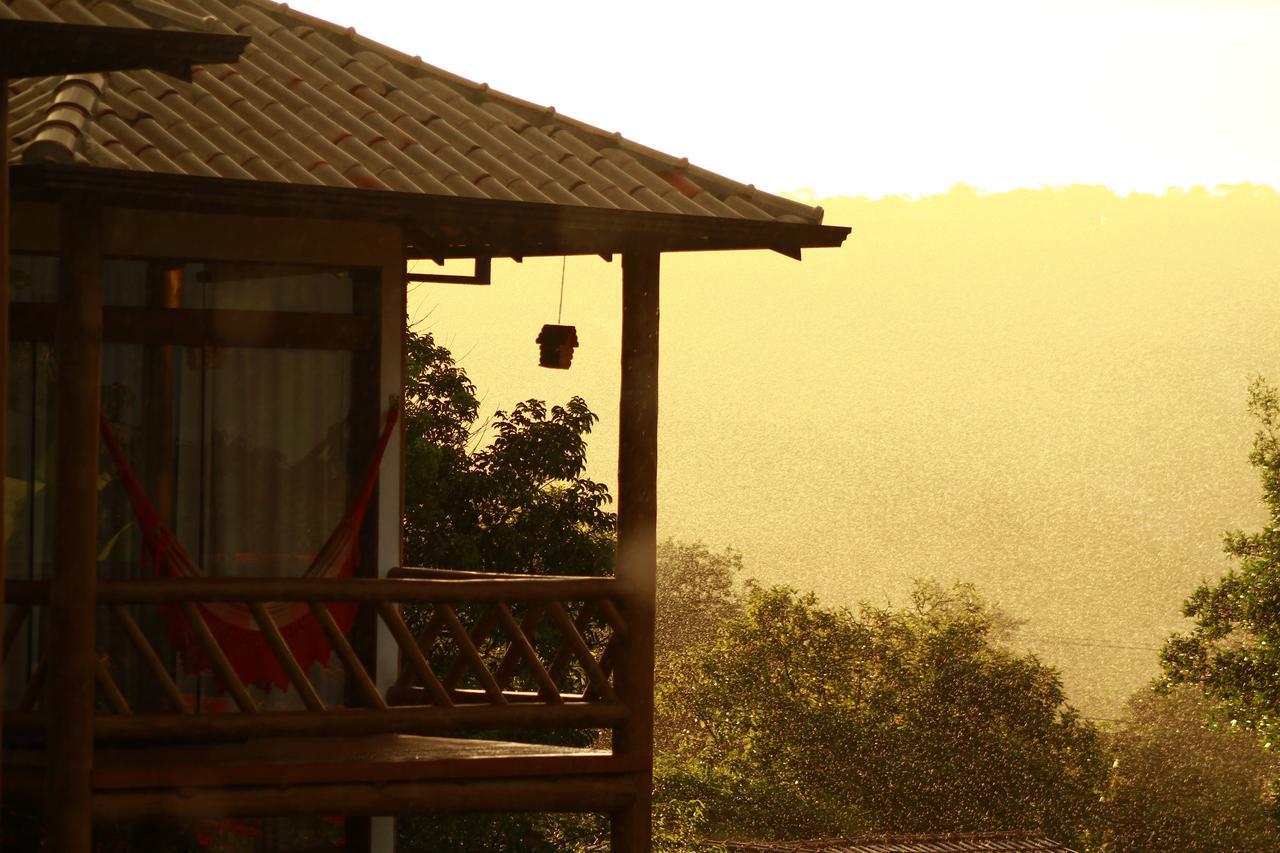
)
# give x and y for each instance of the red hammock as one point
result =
(232, 624)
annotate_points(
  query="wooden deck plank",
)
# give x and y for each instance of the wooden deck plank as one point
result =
(602, 794)
(334, 760)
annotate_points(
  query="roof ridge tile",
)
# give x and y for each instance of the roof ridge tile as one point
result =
(56, 139)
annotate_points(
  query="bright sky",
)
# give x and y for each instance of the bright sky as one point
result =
(867, 98)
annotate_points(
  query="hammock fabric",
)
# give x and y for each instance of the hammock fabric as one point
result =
(233, 625)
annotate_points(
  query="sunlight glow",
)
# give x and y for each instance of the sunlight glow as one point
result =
(864, 98)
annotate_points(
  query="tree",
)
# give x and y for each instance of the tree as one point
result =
(1233, 651)
(519, 504)
(1181, 782)
(696, 592)
(803, 721)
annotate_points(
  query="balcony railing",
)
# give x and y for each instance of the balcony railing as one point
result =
(476, 651)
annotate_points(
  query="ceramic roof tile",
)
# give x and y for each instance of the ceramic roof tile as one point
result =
(73, 13)
(183, 134)
(33, 10)
(223, 133)
(29, 105)
(311, 102)
(57, 136)
(135, 143)
(116, 16)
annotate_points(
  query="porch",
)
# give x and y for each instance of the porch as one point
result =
(228, 248)
(477, 653)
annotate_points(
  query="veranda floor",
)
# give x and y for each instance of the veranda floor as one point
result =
(367, 775)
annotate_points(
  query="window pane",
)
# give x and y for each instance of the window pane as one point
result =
(267, 287)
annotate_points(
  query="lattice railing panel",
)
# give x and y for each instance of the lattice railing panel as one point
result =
(475, 651)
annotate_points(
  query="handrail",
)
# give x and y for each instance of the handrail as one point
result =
(477, 651)
(361, 590)
(432, 573)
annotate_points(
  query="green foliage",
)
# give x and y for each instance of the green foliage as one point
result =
(678, 826)
(1181, 782)
(696, 592)
(519, 504)
(1233, 651)
(478, 833)
(804, 721)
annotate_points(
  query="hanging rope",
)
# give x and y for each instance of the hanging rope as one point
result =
(560, 312)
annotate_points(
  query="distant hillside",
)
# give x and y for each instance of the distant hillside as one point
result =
(1040, 391)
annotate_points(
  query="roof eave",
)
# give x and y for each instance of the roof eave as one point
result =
(435, 226)
(41, 48)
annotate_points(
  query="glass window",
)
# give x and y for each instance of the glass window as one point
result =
(266, 287)
(246, 452)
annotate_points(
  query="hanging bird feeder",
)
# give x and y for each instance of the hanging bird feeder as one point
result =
(556, 343)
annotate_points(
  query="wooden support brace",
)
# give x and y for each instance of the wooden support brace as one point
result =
(350, 660)
(111, 690)
(218, 659)
(424, 640)
(564, 655)
(409, 648)
(595, 675)
(471, 654)
(511, 660)
(271, 632)
(479, 634)
(546, 684)
(152, 660)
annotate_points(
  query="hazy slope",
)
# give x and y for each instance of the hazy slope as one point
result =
(1039, 391)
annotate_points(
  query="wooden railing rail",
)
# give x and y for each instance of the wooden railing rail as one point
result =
(360, 590)
(476, 651)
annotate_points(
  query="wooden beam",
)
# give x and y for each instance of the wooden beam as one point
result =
(483, 274)
(483, 227)
(364, 590)
(416, 719)
(195, 327)
(69, 693)
(636, 563)
(42, 48)
(562, 794)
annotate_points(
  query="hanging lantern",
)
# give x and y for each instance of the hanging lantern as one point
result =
(556, 345)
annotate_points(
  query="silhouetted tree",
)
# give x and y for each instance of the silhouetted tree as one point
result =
(803, 721)
(1233, 652)
(1183, 782)
(697, 591)
(519, 504)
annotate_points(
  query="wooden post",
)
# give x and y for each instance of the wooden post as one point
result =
(4, 339)
(636, 564)
(69, 691)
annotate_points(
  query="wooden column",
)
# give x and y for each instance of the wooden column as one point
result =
(4, 339)
(69, 690)
(636, 564)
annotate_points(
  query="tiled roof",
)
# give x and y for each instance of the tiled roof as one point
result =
(972, 842)
(311, 103)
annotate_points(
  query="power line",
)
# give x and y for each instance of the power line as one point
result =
(1089, 642)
